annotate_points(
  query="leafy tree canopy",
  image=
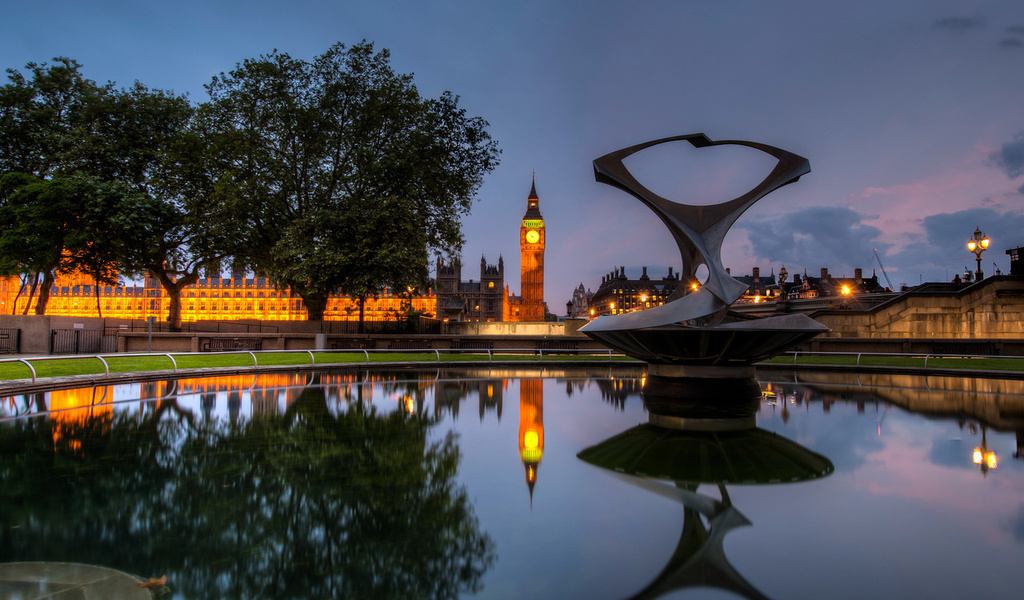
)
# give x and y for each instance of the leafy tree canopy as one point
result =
(336, 174)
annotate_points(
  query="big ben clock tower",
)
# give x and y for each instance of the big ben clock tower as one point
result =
(531, 247)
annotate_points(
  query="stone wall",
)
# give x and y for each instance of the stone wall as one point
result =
(990, 309)
(504, 328)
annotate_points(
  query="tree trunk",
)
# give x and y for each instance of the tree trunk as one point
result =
(31, 293)
(44, 293)
(173, 289)
(21, 288)
(316, 305)
(362, 313)
(99, 309)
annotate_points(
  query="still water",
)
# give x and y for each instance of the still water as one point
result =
(521, 484)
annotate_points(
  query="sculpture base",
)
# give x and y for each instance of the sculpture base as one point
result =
(707, 399)
(735, 341)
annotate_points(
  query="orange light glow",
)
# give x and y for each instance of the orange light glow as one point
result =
(218, 298)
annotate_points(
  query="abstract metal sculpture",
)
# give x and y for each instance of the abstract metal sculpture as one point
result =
(696, 328)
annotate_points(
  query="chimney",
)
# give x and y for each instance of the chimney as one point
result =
(824, 272)
(728, 271)
(858, 274)
(670, 271)
(757, 272)
(644, 273)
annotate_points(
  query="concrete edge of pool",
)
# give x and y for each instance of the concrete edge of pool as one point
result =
(57, 579)
(43, 384)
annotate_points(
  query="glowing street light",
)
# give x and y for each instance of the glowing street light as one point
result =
(983, 457)
(978, 244)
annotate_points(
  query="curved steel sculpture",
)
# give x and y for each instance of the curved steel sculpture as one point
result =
(695, 328)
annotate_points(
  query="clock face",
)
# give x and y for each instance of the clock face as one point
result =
(532, 236)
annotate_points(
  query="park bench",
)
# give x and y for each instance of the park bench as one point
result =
(410, 345)
(232, 344)
(965, 349)
(559, 346)
(461, 344)
(356, 344)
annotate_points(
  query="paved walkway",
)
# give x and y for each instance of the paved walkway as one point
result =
(67, 581)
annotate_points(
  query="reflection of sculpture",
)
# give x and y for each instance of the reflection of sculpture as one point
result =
(703, 449)
(696, 328)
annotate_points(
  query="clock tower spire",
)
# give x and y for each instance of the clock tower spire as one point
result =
(531, 247)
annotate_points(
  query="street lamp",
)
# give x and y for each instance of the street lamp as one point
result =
(978, 244)
(983, 457)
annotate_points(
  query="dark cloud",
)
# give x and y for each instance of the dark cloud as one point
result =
(1010, 157)
(816, 237)
(950, 453)
(1021, 189)
(1018, 29)
(947, 233)
(1018, 525)
(1010, 43)
(959, 23)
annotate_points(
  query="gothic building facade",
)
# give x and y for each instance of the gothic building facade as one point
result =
(489, 299)
(532, 239)
(481, 300)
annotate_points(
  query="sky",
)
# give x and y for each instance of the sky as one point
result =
(911, 114)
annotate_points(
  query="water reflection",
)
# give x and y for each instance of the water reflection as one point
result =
(689, 443)
(302, 502)
(974, 403)
(355, 484)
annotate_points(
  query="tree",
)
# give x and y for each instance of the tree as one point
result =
(40, 119)
(41, 116)
(132, 153)
(335, 174)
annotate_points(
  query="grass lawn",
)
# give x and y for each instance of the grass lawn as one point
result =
(59, 367)
(979, 364)
(13, 369)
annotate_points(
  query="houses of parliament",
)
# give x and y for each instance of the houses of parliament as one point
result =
(242, 297)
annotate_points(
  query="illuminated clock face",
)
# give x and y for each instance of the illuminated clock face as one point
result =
(532, 236)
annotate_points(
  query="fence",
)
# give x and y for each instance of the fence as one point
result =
(10, 341)
(81, 341)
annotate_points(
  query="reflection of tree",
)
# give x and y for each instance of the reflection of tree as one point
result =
(617, 391)
(302, 505)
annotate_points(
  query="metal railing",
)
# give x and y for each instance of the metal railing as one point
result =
(435, 356)
(909, 355)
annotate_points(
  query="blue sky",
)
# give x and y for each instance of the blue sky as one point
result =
(911, 113)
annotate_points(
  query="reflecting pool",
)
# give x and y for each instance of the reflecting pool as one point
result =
(521, 484)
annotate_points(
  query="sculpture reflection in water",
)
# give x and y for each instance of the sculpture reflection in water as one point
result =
(689, 443)
(695, 332)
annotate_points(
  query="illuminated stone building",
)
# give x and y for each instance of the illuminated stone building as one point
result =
(618, 294)
(489, 299)
(759, 288)
(530, 306)
(482, 300)
(211, 298)
(579, 306)
(828, 286)
(531, 428)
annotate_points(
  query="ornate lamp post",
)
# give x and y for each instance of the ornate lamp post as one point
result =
(978, 244)
(783, 301)
(983, 457)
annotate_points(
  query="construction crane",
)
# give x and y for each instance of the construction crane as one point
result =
(887, 280)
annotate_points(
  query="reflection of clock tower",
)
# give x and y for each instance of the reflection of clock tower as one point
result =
(531, 428)
(531, 246)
